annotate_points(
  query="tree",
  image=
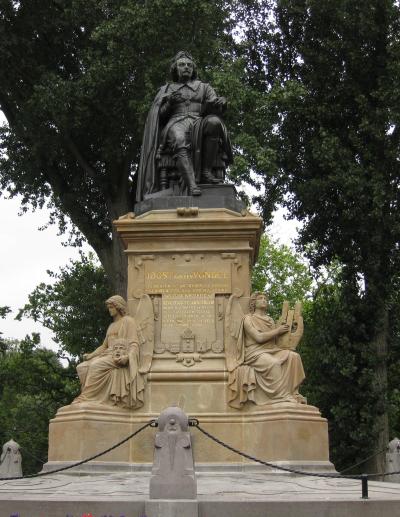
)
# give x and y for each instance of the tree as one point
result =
(4, 310)
(81, 75)
(339, 365)
(333, 75)
(72, 307)
(282, 273)
(33, 385)
(394, 364)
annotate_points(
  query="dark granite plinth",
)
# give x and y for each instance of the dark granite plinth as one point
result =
(212, 196)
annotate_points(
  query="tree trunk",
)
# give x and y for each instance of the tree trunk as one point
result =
(379, 342)
(112, 255)
(115, 264)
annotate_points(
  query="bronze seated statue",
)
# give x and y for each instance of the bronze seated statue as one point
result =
(185, 141)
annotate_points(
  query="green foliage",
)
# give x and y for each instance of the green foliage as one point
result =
(331, 71)
(281, 273)
(33, 385)
(81, 75)
(250, 121)
(4, 310)
(3, 313)
(339, 363)
(339, 137)
(72, 306)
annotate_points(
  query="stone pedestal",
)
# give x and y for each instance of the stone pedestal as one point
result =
(189, 260)
(286, 433)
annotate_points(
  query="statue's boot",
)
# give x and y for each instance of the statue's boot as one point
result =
(185, 167)
(208, 177)
(210, 151)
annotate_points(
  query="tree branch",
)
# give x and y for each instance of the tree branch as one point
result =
(79, 158)
(96, 237)
(128, 159)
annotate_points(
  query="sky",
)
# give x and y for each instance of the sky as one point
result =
(27, 253)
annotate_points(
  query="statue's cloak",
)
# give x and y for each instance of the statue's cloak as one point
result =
(147, 181)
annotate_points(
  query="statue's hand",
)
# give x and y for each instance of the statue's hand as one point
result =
(282, 329)
(175, 98)
(220, 102)
(121, 361)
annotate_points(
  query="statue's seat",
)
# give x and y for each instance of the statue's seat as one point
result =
(166, 166)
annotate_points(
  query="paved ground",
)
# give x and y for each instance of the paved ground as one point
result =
(264, 494)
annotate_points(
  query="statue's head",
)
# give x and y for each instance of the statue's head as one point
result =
(118, 302)
(258, 299)
(173, 420)
(181, 57)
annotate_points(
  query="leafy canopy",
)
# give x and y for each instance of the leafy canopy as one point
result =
(33, 385)
(81, 76)
(282, 273)
(72, 306)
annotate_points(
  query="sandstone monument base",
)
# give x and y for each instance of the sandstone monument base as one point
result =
(190, 261)
(280, 433)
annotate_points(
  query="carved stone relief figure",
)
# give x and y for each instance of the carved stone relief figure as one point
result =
(393, 460)
(10, 460)
(260, 369)
(173, 475)
(114, 373)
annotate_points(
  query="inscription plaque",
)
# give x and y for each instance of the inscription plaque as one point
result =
(188, 287)
(187, 311)
(187, 278)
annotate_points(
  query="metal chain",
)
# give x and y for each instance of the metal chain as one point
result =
(150, 423)
(364, 460)
(195, 423)
(383, 474)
